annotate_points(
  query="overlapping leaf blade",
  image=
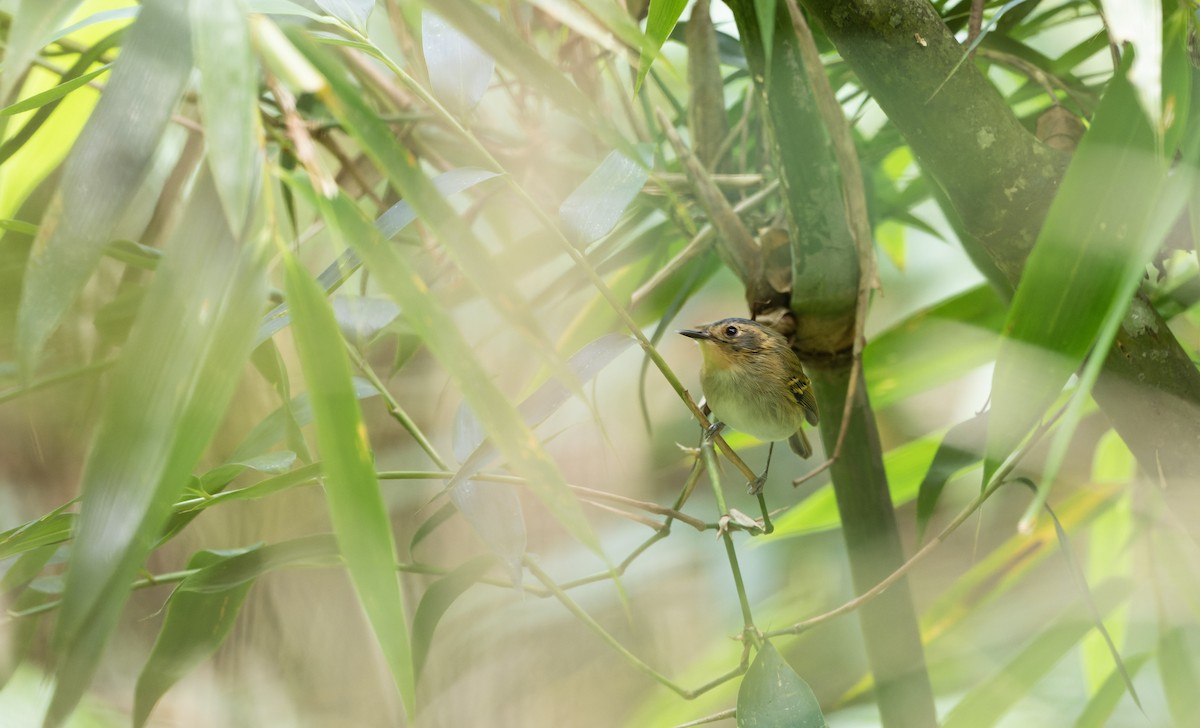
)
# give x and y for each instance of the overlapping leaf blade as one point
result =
(116, 145)
(1083, 271)
(170, 388)
(356, 507)
(228, 102)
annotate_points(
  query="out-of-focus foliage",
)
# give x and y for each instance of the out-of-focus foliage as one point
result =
(337, 382)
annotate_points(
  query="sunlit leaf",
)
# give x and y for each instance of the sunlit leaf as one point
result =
(660, 21)
(986, 704)
(1180, 670)
(934, 346)
(390, 223)
(441, 335)
(194, 627)
(1081, 275)
(116, 145)
(354, 12)
(356, 507)
(273, 428)
(53, 94)
(228, 102)
(772, 695)
(459, 71)
(1140, 23)
(51, 529)
(592, 210)
(168, 396)
(1100, 707)
(33, 23)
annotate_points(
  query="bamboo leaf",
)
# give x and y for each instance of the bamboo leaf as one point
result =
(960, 448)
(430, 321)
(660, 21)
(772, 695)
(244, 566)
(438, 598)
(53, 94)
(273, 428)
(53, 528)
(986, 704)
(194, 627)
(1140, 23)
(34, 21)
(512, 52)
(1083, 270)
(1100, 707)
(169, 391)
(593, 208)
(934, 346)
(116, 145)
(390, 223)
(356, 507)
(228, 102)
(459, 70)
(353, 12)
(1177, 664)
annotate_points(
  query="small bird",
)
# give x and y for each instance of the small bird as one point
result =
(754, 383)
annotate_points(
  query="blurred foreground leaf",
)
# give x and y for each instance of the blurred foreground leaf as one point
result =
(168, 395)
(116, 145)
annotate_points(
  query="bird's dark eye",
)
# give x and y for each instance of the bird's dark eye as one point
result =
(731, 331)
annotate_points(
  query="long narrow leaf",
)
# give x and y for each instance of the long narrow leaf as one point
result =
(169, 392)
(228, 102)
(194, 627)
(660, 20)
(116, 145)
(356, 506)
(440, 333)
(33, 23)
(1082, 272)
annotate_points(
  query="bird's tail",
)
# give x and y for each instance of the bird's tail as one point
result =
(800, 444)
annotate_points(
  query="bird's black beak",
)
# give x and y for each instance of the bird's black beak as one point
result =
(694, 334)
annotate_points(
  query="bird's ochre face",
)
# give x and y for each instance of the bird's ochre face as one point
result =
(730, 341)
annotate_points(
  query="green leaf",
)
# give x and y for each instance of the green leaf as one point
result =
(53, 94)
(1100, 707)
(934, 346)
(437, 599)
(459, 71)
(1082, 273)
(593, 208)
(517, 55)
(246, 565)
(356, 507)
(404, 172)
(772, 695)
(354, 12)
(116, 145)
(660, 20)
(33, 23)
(961, 448)
(273, 428)
(194, 627)
(52, 529)
(1177, 665)
(1140, 23)
(987, 703)
(764, 10)
(167, 396)
(228, 102)
(441, 335)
